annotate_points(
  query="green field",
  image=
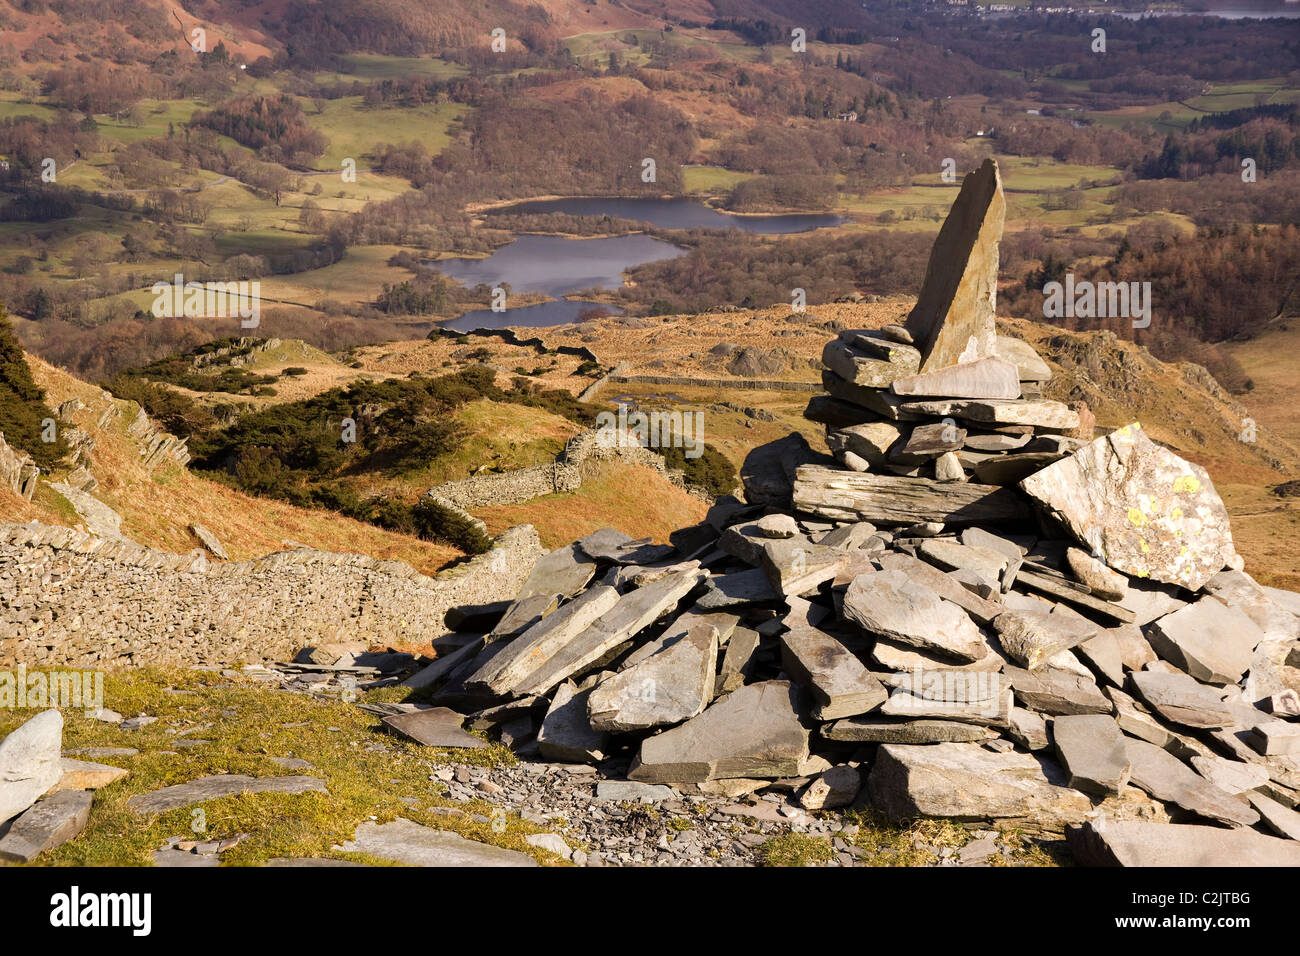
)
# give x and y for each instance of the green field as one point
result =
(11, 106)
(597, 46)
(372, 66)
(711, 179)
(355, 131)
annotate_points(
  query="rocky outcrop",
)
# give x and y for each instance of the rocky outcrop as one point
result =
(17, 470)
(156, 444)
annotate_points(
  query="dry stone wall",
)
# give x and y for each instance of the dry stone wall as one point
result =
(738, 384)
(566, 473)
(73, 599)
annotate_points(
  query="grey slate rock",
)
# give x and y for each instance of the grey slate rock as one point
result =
(754, 732)
(1092, 751)
(1112, 843)
(1181, 699)
(417, 845)
(665, 688)
(738, 588)
(47, 824)
(532, 650)
(835, 788)
(630, 791)
(968, 782)
(1283, 821)
(877, 731)
(1031, 639)
(891, 604)
(1209, 640)
(1056, 693)
(215, 787)
(633, 612)
(840, 685)
(1168, 779)
(435, 727)
(612, 545)
(739, 660)
(566, 732)
(1150, 513)
(30, 762)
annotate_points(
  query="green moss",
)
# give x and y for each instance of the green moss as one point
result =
(369, 773)
(796, 849)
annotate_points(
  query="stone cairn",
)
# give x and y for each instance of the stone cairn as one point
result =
(966, 613)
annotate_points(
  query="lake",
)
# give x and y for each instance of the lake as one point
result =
(554, 266)
(557, 266)
(678, 214)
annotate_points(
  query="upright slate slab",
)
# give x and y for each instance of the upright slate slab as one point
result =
(953, 318)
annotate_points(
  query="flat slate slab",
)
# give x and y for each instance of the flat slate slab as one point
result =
(1281, 820)
(615, 547)
(738, 662)
(30, 762)
(85, 775)
(47, 824)
(1113, 843)
(215, 787)
(564, 571)
(1141, 508)
(435, 727)
(1092, 751)
(754, 732)
(1168, 779)
(535, 647)
(1056, 692)
(737, 588)
(1032, 638)
(630, 791)
(840, 685)
(872, 367)
(1029, 364)
(417, 845)
(874, 731)
(1182, 699)
(566, 732)
(981, 610)
(967, 782)
(665, 688)
(1037, 412)
(631, 613)
(989, 377)
(895, 500)
(1211, 641)
(892, 605)
(1230, 776)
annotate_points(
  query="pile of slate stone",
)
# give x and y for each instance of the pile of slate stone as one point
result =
(945, 397)
(1070, 644)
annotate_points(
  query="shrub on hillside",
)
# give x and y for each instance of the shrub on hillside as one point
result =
(22, 404)
(711, 472)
